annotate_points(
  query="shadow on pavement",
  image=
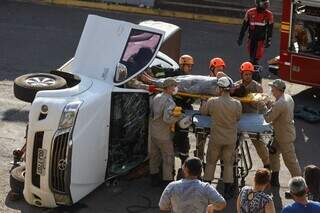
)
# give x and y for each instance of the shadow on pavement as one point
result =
(15, 115)
(134, 196)
(307, 133)
(309, 96)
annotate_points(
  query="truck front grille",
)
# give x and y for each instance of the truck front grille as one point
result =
(59, 164)
(37, 144)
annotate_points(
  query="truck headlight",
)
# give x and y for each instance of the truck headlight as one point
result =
(69, 115)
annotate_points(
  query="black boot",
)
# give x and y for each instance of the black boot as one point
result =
(180, 174)
(207, 181)
(155, 180)
(267, 166)
(183, 158)
(165, 183)
(229, 191)
(275, 179)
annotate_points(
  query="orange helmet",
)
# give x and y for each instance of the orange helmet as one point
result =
(186, 59)
(216, 62)
(246, 66)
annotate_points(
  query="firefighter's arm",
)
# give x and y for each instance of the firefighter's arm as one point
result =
(169, 114)
(136, 84)
(273, 113)
(245, 25)
(259, 88)
(205, 107)
(239, 112)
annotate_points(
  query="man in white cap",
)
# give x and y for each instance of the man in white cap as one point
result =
(225, 112)
(163, 117)
(280, 115)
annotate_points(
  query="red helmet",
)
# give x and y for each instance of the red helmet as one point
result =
(246, 67)
(216, 62)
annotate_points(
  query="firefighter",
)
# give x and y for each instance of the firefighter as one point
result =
(181, 139)
(259, 20)
(251, 86)
(185, 68)
(163, 116)
(216, 66)
(226, 112)
(280, 114)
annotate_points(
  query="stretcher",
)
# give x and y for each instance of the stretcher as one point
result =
(204, 87)
(250, 98)
(251, 125)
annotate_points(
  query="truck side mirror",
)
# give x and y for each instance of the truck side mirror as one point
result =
(121, 72)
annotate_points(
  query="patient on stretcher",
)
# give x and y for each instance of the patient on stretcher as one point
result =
(196, 86)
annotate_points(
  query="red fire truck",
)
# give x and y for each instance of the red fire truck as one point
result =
(299, 60)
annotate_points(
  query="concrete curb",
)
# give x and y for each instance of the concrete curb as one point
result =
(146, 11)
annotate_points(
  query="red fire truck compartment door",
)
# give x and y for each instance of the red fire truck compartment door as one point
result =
(305, 70)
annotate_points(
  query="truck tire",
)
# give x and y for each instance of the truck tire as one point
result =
(26, 86)
(17, 179)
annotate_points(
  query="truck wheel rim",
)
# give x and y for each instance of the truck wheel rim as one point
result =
(40, 81)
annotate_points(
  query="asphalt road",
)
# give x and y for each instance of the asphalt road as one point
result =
(39, 38)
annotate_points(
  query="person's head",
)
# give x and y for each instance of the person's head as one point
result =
(298, 187)
(262, 177)
(216, 66)
(312, 177)
(299, 26)
(192, 167)
(278, 87)
(170, 86)
(246, 71)
(262, 4)
(186, 62)
(224, 85)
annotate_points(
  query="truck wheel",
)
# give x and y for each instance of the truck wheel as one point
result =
(17, 179)
(27, 86)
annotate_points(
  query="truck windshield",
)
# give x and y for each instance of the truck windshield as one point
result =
(305, 35)
(139, 50)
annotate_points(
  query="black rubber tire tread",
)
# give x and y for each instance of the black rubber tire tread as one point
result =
(17, 179)
(25, 92)
(71, 79)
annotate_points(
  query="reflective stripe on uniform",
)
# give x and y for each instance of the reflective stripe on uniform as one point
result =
(257, 24)
(160, 75)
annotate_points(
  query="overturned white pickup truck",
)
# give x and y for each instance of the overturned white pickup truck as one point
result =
(86, 127)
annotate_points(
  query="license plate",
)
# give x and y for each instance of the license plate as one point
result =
(41, 161)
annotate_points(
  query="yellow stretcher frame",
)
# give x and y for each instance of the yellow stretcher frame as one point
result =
(250, 98)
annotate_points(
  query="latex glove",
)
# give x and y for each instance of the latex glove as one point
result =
(261, 104)
(239, 42)
(152, 88)
(177, 112)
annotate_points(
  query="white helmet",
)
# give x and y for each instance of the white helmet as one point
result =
(185, 122)
(225, 82)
